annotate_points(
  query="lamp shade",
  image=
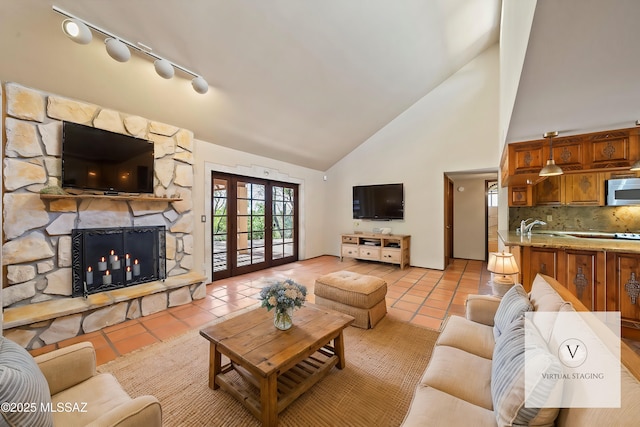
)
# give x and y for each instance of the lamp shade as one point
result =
(200, 85)
(551, 169)
(117, 50)
(502, 263)
(164, 68)
(77, 31)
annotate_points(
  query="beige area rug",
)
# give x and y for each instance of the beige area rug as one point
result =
(383, 368)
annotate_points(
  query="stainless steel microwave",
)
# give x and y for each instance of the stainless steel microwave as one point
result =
(624, 191)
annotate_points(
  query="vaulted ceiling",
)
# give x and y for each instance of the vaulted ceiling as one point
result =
(581, 69)
(307, 81)
(303, 81)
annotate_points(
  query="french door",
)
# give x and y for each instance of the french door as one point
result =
(254, 224)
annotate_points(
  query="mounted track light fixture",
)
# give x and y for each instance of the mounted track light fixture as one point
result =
(79, 31)
(550, 169)
(117, 50)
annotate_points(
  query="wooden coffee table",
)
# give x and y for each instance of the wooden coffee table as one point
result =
(280, 365)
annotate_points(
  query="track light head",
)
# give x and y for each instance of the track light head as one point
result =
(77, 31)
(200, 85)
(117, 50)
(164, 68)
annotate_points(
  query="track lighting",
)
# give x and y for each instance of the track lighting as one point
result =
(77, 31)
(200, 85)
(164, 68)
(118, 48)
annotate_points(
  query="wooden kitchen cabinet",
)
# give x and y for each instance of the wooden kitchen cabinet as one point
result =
(612, 149)
(623, 287)
(539, 260)
(583, 273)
(549, 192)
(521, 195)
(584, 189)
(569, 153)
(606, 151)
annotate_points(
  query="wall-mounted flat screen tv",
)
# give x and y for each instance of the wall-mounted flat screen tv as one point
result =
(96, 159)
(380, 202)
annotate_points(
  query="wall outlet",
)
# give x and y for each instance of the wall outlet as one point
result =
(549, 218)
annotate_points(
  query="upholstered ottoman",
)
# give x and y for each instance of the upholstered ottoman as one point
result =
(357, 295)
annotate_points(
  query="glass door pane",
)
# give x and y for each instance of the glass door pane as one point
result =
(283, 221)
(220, 232)
(250, 200)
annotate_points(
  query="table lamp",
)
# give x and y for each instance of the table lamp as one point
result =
(503, 265)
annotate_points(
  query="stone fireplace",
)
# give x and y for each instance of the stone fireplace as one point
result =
(41, 272)
(114, 258)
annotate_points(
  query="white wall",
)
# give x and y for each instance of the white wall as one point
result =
(210, 157)
(515, 28)
(453, 128)
(469, 219)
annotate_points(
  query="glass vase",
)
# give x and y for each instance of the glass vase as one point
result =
(283, 318)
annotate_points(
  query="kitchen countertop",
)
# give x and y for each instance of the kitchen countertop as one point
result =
(588, 240)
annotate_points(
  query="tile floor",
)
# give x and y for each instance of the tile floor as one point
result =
(416, 295)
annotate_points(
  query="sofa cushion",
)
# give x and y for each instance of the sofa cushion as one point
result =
(513, 305)
(543, 297)
(102, 393)
(460, 374)
(472, 337)
(508, 377)
(22, 383)
(432, 407)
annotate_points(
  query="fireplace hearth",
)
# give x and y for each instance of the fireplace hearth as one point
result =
(113, 258)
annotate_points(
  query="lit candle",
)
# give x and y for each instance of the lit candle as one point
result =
(106, 279)
(127, 260)
(112, 256)
(115, 264)
(89, 276)
(102, 264)
(136, 268)
(128, 272)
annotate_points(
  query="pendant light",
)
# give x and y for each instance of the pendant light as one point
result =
(551, 169)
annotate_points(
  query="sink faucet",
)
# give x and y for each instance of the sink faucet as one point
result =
(526, 228)
(523, 224)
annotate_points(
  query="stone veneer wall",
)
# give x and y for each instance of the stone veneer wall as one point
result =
(37, 233)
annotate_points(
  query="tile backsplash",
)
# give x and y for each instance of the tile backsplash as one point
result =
(580, 218)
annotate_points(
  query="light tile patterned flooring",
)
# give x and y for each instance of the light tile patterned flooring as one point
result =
(417, 295)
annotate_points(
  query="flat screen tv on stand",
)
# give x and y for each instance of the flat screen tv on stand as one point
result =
(98, 160)
(382, 202)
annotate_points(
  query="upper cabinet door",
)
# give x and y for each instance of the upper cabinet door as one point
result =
(568, 153)
(614, 149)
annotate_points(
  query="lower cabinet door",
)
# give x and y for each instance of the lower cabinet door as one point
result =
(623, 290)
(584, 277)
(539, 260)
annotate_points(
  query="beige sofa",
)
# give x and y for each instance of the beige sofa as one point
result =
(464, 384)
(62, 388)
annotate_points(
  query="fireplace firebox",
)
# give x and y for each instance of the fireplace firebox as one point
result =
(110, 258)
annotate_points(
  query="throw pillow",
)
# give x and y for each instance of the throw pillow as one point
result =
(514, 304)
(24, 390)
(519, 347)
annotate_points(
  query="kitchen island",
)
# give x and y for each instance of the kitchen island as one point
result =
(599, 269)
